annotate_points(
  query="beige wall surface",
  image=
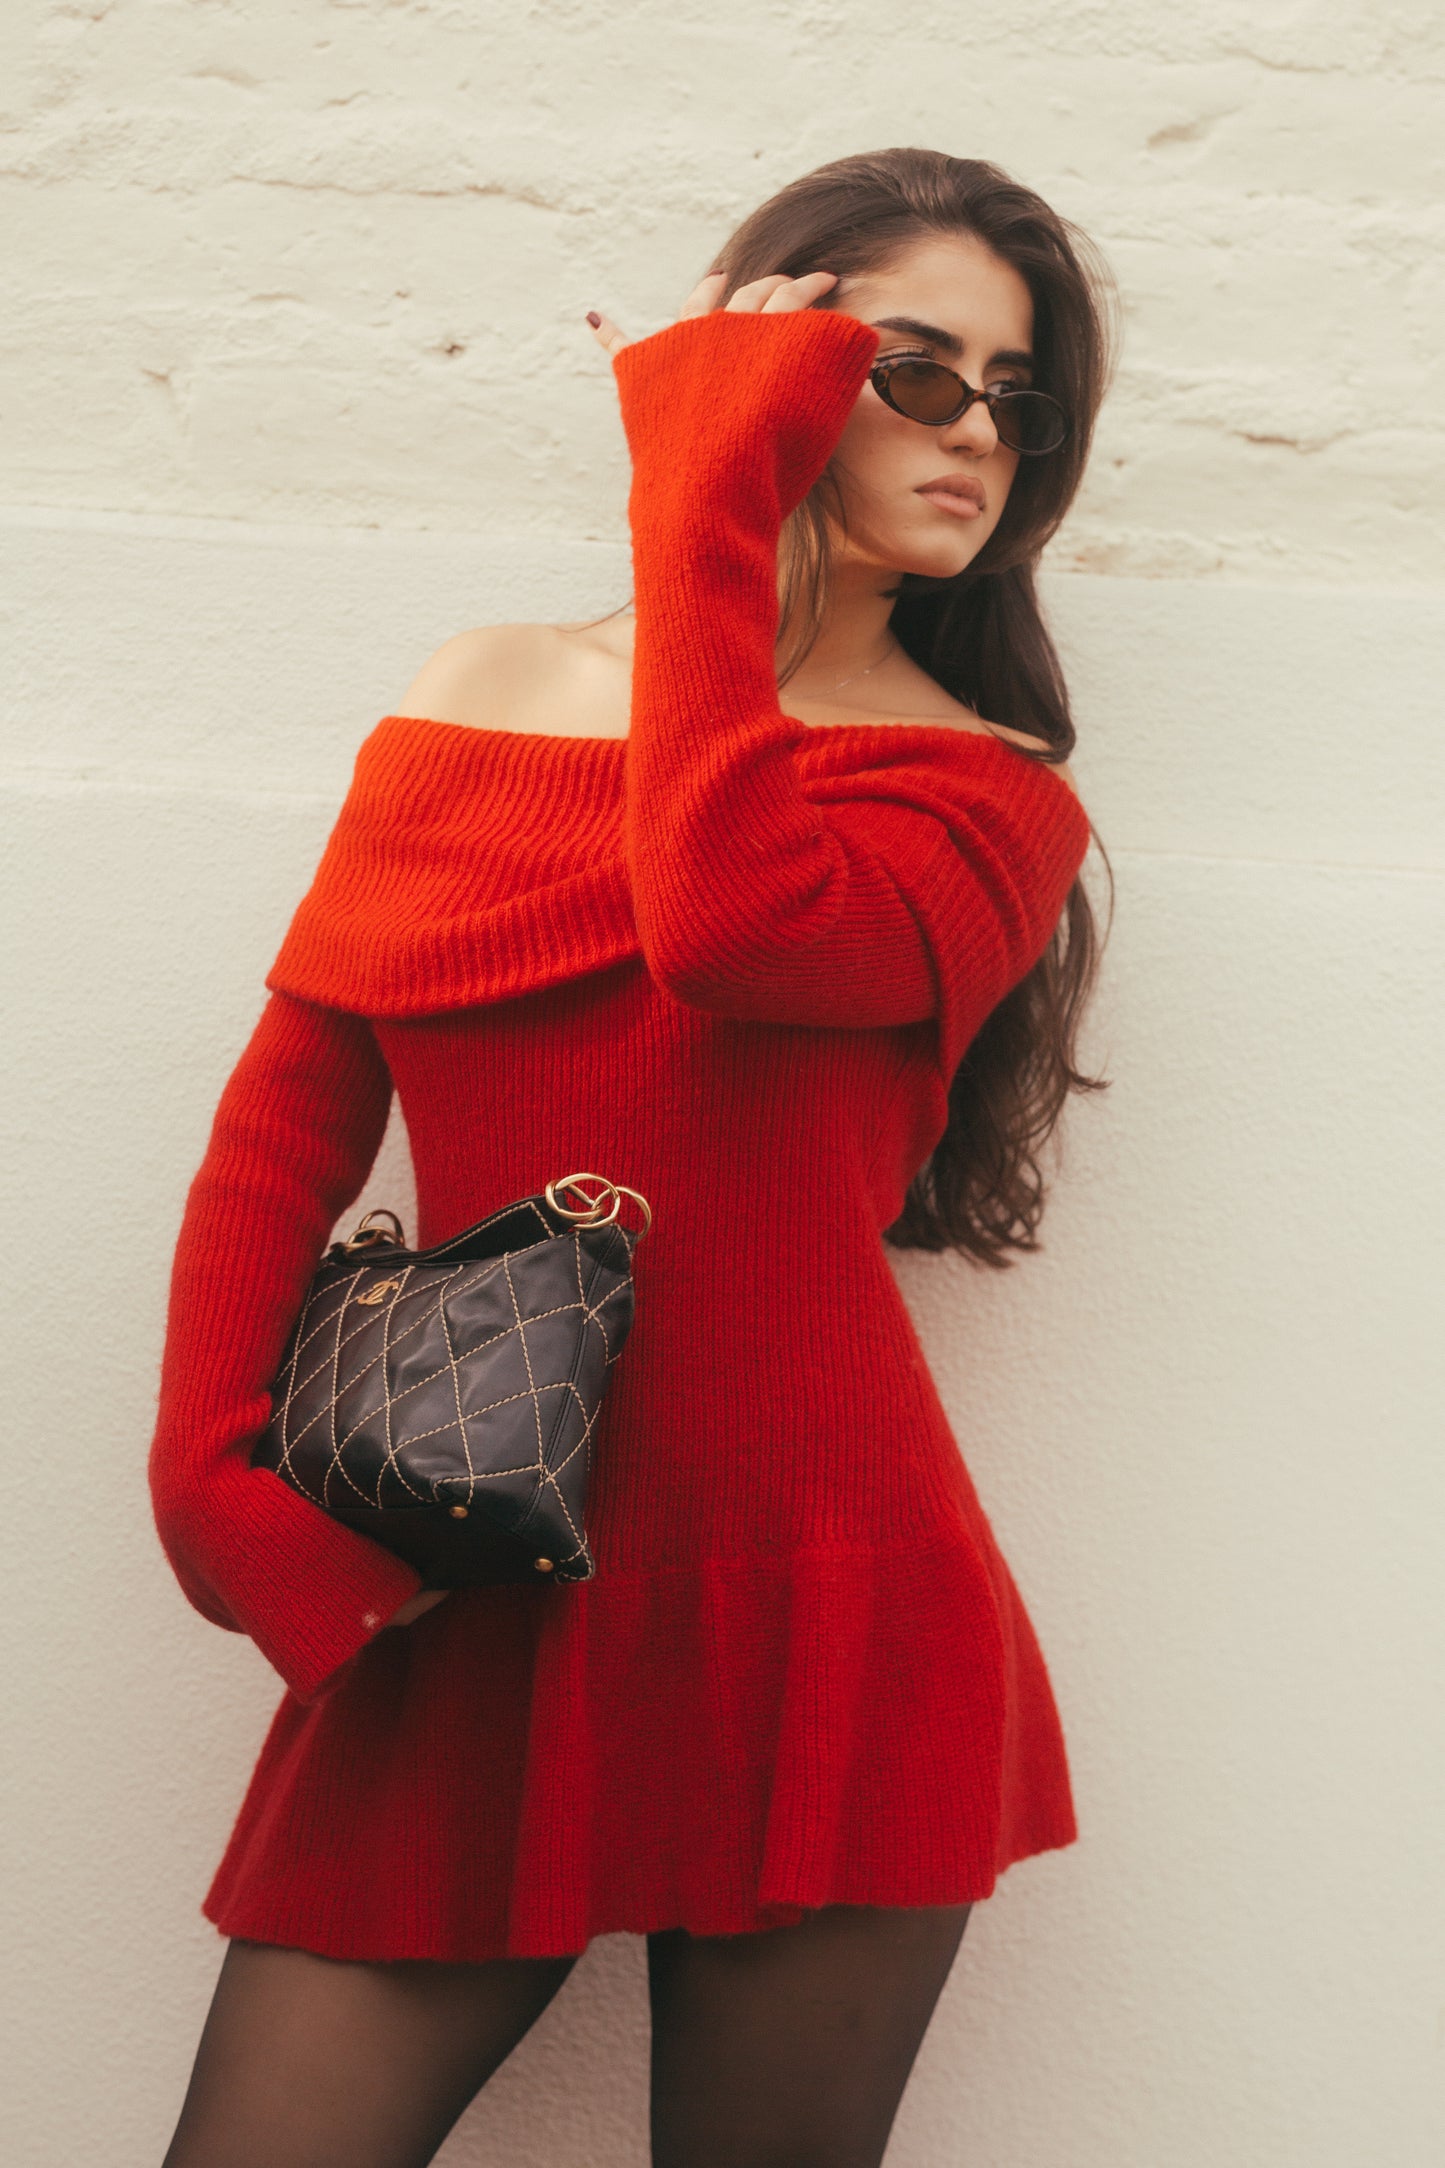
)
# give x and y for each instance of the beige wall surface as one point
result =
(293, 384)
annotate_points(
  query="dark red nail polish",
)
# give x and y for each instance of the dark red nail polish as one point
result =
(593, 318)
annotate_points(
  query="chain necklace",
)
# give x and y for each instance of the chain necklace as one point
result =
(895, 649)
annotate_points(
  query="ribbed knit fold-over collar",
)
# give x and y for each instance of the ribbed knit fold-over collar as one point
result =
(472, 865)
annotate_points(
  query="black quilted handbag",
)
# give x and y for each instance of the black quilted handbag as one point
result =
(443, 1401)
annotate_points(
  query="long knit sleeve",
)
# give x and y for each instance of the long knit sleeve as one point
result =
(294, 1136)
(912, 891)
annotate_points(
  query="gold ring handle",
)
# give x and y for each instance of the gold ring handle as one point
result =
(592, 1213)
(364, 1236)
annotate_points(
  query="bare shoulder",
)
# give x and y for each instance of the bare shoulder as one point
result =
(1022, 739)
(521, 677)
(479, 675)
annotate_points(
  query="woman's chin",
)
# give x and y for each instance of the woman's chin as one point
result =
(928, 557)
(935, 557)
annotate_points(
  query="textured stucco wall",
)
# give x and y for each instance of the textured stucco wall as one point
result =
(292, 385)
(329, 262)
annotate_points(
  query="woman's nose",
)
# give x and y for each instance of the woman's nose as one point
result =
(972, 431)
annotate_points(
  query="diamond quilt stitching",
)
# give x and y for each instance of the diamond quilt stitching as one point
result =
(366, 1397)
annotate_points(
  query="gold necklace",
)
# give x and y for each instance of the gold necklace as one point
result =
(895, 649)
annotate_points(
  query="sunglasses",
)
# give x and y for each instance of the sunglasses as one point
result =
(924, 391)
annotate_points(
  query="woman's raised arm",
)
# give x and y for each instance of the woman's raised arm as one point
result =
(929, 882)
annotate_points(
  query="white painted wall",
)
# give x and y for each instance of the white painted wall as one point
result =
(273, 278)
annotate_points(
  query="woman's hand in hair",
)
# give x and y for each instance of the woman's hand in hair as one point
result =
(771, 296)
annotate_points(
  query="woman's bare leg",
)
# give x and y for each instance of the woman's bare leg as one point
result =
(791, 2047)
(312, 2062)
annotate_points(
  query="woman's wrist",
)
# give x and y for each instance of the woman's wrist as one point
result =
(740, 401)
(741, 406)
(425, 1599)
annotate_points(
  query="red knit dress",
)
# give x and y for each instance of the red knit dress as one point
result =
(732, 961)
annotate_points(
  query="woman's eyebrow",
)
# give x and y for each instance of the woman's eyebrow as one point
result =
(912, 327)
(929, 334)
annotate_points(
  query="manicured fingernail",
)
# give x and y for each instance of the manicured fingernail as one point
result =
(593, 319)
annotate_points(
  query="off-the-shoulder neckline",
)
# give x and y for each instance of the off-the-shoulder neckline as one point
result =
(904, 724)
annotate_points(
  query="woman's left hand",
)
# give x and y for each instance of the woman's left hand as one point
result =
(425, 1599)
(772, 296)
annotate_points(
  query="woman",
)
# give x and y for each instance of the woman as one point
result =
(805, 969)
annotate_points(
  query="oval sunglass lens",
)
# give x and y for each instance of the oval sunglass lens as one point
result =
(925, 390)
(1029, 422)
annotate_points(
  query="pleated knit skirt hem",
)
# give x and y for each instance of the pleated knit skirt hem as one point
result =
(721, 1748)
(329, 1935)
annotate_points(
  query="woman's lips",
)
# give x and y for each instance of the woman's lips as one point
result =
(954, 498)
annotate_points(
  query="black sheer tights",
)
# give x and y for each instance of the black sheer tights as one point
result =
(785, 2048)
(791, 2048)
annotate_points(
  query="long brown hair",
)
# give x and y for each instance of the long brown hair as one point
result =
(981, 634)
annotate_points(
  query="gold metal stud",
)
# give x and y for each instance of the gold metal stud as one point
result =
(458, 1513)
(543, 1565)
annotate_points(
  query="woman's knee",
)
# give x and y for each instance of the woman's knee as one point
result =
(793, 2044)
(322, 2060)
